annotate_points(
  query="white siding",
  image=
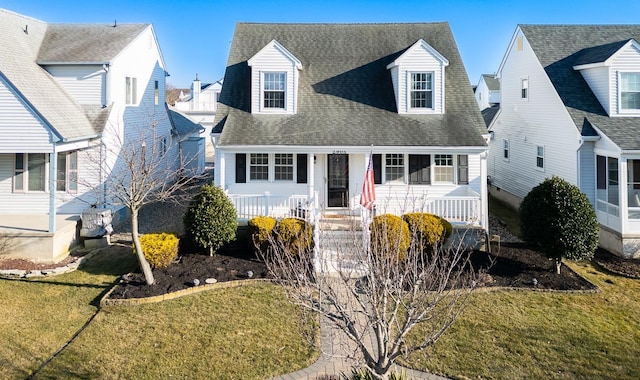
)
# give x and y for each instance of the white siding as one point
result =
(539, 120)
(84, 83)
(21, 130)
(273, 60)
(419, 60)
(482, 94)
(626, 60)
(598, 80)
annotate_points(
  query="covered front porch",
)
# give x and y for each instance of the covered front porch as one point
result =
(27, 236)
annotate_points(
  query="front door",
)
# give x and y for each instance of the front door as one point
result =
(338, 181)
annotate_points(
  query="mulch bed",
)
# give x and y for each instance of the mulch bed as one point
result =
(617, 265)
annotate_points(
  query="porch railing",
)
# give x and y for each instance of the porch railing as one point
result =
(456, 209)
(278, 206)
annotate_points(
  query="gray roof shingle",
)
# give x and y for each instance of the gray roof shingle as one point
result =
(345, 93)
(24, 41)
(559, 48)
(492, 82)
(182, 125)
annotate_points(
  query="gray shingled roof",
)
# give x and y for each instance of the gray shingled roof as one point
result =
(24, 41)
(182, 125)
(346, 96)
(559, 48)
(489, 113)
(493, 84)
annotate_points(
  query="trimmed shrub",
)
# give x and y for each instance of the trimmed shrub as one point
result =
(558, 219)
(390, 236)
(295, 235)
(448, 228)
(427, 229)
(159, 249)
(210, 220)
(261, 229)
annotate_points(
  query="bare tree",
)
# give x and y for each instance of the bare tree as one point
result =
(375, 294)
(145, 168)
(172, 94)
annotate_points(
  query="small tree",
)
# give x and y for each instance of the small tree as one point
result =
(211, 220)
(557, 218)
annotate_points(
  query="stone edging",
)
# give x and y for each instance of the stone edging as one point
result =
(17, 274)
(105, 301)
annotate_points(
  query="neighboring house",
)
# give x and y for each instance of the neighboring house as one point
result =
(571, 107)
(68, 94)
(191, 144)
(200, 107)
(487, 91)
(304, 105)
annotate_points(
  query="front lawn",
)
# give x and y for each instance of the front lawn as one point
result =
(249, 332)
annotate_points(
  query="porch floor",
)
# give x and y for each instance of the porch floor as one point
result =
(22, 224)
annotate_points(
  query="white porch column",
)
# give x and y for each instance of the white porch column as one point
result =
(311, 173)
(219, 171)
(484, 194)
(53, 169)
(624, 197)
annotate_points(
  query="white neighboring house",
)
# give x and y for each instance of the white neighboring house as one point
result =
(298, 119)
(487, 91)
(67, 92)
(200, 107)
(571, 107)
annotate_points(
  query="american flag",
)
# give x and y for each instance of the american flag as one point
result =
(368, 196)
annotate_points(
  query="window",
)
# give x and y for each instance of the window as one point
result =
(505, 149)
(607, 184)
(394, 167)
(419, 169)
(283, 167)
(539, 156)
(259, 167)
(67, 176)
(443, 170)
(132, 90)
(524, 92)
(274, 90)
(162, 146)
(463, 169)
(630, 91)
(156, 93)
(421, 90)
(30, 172)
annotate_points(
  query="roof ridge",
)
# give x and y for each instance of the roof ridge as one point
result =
(341, 23)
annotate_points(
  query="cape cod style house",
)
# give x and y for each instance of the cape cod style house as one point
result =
(68, 92)
(303, 106)
(571, 107)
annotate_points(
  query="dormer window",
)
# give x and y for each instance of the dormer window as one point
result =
(274, 90)
(421, 90)
(630, 91)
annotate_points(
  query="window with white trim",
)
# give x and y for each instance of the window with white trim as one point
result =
(505, 149)
(30, 172)
(539, 156)
(421, 95)
(283, 166)
(131, 85)
(630, 91)
(259, 167)
(274, 90)
(394, 167)
(67, 176)
(524, 88)
(163, 146)
(443, 168)
(156, 93)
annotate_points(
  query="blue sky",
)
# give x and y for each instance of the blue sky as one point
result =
(195, 36)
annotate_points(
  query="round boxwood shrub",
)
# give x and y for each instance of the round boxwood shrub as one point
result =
(210, 220)
(558, 219)
(159, 249)
(390, 236)
(448, 228)
(260, 230)
(425, 229)
(294, 235)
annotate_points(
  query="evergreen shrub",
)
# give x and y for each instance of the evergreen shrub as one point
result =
(159, 249)
(390, 236)
(261, 230)
(294, 235)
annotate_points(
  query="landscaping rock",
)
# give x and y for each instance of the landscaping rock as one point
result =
(210, 281)
(12, 273)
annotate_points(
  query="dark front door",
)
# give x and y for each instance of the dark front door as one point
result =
(338, 182)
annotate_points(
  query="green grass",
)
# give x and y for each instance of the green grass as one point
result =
(250, 332)
(533, 335)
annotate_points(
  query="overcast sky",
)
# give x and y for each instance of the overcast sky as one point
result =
(195, 36)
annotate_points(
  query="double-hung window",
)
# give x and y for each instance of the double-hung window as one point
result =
(630, 91)
(283, 166)
(274, 89)
(259, 167)
(30, 172)
(539, 156)
(524, 88)
(131, 85)
(443, 168)
(394, 167)
(67, 176)
(505, 149)
(421, 95)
